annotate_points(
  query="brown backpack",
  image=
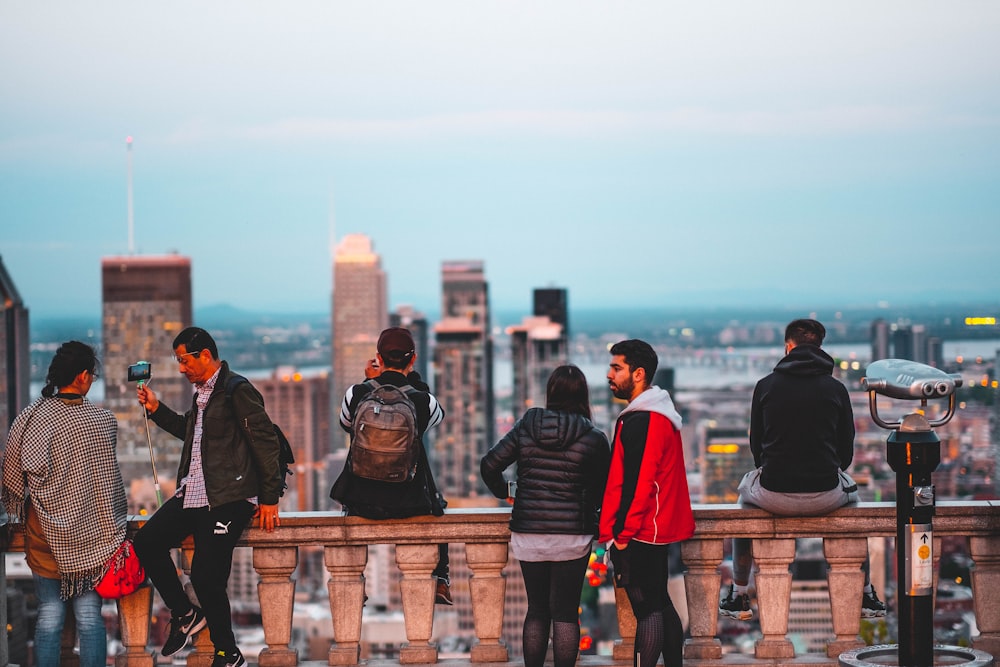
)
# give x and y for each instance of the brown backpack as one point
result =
(384, 442)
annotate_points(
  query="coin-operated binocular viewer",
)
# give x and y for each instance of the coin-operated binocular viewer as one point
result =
(914, 452)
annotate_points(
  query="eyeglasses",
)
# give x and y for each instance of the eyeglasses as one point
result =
(94, 374)
(180, 357)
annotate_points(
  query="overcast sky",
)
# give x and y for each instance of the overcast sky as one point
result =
(634, 152)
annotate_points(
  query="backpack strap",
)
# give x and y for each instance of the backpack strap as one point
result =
(407, 389)
(232, 382)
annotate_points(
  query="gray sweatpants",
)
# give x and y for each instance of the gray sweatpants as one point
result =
(797, 504)
(788, 504)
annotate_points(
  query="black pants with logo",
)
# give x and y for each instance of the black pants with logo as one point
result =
(215, 532)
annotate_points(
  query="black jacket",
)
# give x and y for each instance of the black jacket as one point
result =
(374, 499)
(801, 424)
(239, 449)
(562, 467)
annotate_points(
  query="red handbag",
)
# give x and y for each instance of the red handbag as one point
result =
(123, 573)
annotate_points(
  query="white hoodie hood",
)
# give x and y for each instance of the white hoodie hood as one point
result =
(657, 400)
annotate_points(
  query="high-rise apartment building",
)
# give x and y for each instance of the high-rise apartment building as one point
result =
(146, 303)
(537, 347)
(416, 322)
(463, 359)
(879, 340)
(552, 302)
(360, 313)
(725, 456)
(301, 407)
(902, 343)
(15, 358)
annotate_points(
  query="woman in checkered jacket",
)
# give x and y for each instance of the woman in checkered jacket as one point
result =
(62, 481)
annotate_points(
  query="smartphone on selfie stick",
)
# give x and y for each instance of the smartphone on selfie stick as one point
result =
(140, 372)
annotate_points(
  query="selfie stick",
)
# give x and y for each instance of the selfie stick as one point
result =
(152, 459)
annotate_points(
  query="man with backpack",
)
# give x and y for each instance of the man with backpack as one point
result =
(387, 474)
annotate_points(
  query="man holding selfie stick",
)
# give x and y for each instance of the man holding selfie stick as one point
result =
(229, 472)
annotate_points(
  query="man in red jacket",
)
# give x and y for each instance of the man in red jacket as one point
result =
(646, 502)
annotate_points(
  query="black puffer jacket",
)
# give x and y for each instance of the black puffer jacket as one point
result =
(562, 466)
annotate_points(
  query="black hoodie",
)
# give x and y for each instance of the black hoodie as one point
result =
(562, 466)
(801, 424)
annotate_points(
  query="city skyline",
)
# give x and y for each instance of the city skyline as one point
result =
(662, 154)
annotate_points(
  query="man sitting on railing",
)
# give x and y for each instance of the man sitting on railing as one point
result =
(363, 493)
(802, 440)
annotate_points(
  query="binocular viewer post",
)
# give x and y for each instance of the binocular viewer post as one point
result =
(914, 452)
(909, 380)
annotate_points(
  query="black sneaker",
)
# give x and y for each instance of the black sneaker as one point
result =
(871, 606)
(229, 659)
(181, 628)
(736, 605)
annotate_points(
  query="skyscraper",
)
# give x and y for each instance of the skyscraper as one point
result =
(146, 303)
(552, 302)
(416, 322)
(359, 314)
(537, 347)
(880, 339)
(463, 379)
(15, 359)
(902, 343)
(301, 407)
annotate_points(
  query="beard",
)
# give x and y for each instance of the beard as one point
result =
(624, 390)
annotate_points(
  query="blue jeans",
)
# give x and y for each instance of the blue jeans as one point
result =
(51, 615)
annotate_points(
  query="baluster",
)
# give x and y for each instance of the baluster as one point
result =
(985, 552)
(487, 588)
(701, 582)
(774, 592)
(276, 592)
(346, 565)
(134, 613)
(417, 562)
(624, 648)
(846, 581)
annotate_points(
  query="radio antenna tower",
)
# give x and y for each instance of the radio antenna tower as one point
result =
(131, 217)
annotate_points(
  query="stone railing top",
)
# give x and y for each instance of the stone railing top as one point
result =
(716, 521)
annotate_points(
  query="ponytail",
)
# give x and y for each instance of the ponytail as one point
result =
(72, 358)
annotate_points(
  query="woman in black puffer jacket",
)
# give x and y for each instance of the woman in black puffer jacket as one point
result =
(562, 466)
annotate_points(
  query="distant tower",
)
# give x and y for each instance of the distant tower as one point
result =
(552, 302)
(463, 360)
(15, 357)
(880, 339)
(725, 454)
(537, 346)
(408, 318)
(664, 379)
(935, 352)
(919, 343)
(146, 303)
(360, 314)
(902, 342)
(301, 406)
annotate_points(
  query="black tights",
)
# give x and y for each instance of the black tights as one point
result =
(659, 632)
(553, 589)
(644, 570)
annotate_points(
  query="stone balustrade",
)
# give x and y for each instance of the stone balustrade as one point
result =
(485, 534)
